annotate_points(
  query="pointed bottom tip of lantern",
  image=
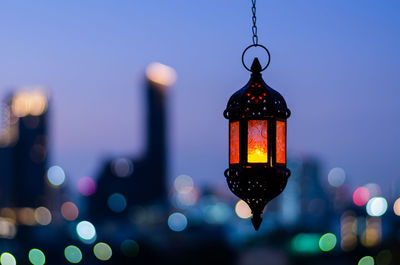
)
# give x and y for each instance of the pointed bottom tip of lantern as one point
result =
(256, 220)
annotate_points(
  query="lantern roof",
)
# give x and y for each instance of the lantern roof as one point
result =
(256, 100)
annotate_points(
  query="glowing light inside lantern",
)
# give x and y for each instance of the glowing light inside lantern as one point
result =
(281, 142)
(257, 141)
(234, 142)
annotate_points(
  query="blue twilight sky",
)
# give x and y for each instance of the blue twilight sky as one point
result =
(336, 62)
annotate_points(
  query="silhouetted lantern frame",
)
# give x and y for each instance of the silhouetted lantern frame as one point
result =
(257, 117)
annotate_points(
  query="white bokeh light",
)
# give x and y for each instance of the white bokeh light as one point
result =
(336, 177)
(56, 176)
(377, 206)
(86, 230)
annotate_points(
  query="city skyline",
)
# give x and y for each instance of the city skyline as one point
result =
(332, 70)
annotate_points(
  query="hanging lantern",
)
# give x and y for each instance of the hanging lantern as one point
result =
(257, 116)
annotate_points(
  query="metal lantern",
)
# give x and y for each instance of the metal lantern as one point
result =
(257, 116)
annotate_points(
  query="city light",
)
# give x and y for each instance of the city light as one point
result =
(69, 211)
(56, 176)
(377, 206)
(396, 207)
(361, 196)
(384, 257)
(217, 213)
(87, 186)
(177, 222)
(183, 184)
(86, 231)
(73, 254)
(29, 103)
(7, 259)
(161, 74)
(130, 248)
(243, 210)
(374, 189)
(102, 251)
(43, 216)
(305, 243)
(327, 242)
(367, 260)
(122, 167)
(336, 177)
(372, 234)
(36, 257)
(26, 216)
(116, 202)
(348, 231)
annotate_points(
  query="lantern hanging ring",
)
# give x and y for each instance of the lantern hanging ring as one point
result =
(256, 45)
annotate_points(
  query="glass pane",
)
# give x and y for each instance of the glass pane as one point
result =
(257, 151)
(281, 142)
(234, 142)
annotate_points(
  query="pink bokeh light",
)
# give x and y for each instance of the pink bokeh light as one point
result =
(87, 186)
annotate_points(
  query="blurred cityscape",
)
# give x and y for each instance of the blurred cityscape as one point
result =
(128, 214)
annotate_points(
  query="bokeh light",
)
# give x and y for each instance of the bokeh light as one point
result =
(102, 251)
(56, 176)
(29, 103)
(361, 196)
(177, 222)
(36, 257)
(86, 230)
(374, 189)
(217, 213)
(87, 186)
(161, 74)
(116, 202)
(377, 206)
(7, 259)
(327, 242)
(243, 210)
(130, 248)
(336, 177)
(122, 167)
(43, 216)
(69, 211)
(367, 260)
(396, 207)
(73, 254)
(183, 184)
(384, 257)
(305, 243)
(26, 216)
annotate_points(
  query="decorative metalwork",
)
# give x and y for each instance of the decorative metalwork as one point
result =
(257, 116)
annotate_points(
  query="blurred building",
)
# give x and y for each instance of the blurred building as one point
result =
(23, 149)
(125, 182)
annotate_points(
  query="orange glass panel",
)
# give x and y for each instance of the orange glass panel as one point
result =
(257, 143)
(281, 142)
(234, 142)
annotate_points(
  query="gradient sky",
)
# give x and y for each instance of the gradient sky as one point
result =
(336, 62)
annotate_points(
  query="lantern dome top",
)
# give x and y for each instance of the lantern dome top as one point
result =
(256, 100)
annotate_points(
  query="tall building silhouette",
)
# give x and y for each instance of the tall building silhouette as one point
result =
(23, 149)
(125, 182)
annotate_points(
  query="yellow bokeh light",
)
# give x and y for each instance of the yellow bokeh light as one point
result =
(243, 210)
(29, 103)
(161, 74)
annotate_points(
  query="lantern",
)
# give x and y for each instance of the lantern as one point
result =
(257, 116)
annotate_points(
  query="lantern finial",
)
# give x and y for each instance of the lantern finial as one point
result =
(256, 66)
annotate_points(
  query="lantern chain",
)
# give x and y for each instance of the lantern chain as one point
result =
(254, 28)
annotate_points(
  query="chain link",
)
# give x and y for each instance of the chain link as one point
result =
(254, 28)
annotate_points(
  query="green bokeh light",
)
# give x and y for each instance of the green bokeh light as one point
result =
(367, 260)
(130, 248)
(327, 242)
(102, 251)
(36, 257)
(73, 254)
(7, 259)
(305, 243)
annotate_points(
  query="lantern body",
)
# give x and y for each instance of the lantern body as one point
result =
(257, 170)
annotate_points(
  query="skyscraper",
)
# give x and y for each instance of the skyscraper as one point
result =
(125, 182)
(23, 151)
